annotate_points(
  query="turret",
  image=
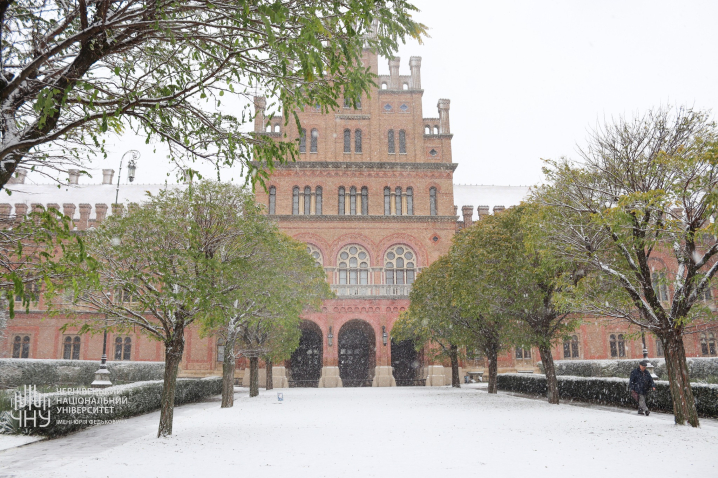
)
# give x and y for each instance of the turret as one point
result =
(443, 106)
(415, 65)
(260, 103)
(394, 74)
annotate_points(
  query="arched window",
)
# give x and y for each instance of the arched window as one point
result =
(353, 201)
(405, 86)
(220, 349)
(365, 201)
(392, 150)
(384, 86)
(432, 201)
(358, 103)
(409, 201)
(618, 345)
(276, 128)
(21, 346)
(269, 128)
(303, 141)
(523, 353)
(316, 254)
(400, 265)
(353, 265)
(347, 102)
(272, 200)
(397, 200)
(402, 141)
(387, 201)
(660, 285)
(123, 348)
(357, 141)
(318, 201)
(427, 129)
(314, 141)
(307, 200)
(71, 347)
(570, 347)
(342, 195)
(347, 141)
(708, 343)
(295, 200)
(436, 130)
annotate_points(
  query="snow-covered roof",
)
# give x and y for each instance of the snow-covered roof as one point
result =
(482, 195)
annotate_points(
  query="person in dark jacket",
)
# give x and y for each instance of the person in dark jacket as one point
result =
(640, 384)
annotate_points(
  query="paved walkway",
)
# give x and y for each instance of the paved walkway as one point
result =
(407, 431)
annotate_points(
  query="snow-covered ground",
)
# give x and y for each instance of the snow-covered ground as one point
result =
(382, 432)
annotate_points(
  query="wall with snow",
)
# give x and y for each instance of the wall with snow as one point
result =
(701, 369)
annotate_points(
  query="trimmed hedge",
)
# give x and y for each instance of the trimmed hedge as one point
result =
(608, 391)
(700, 369)
(73, 373)
(69, 411)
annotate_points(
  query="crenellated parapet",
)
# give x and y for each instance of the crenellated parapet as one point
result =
(467, 214)
(89, 215)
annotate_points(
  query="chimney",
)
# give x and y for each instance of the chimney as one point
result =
(85, 210)
(498, 209)
(394, 73)
(107, 175)
(456, 210)
(260, 103)
(20, 175)
(74, 176)
(415, 65)
(467, 212)
(68, 209)
(443, 106)
(100, 212)
(483, 211)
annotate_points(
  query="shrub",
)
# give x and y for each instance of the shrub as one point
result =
(73, 373)
(701, 369)
(74, 411)
(608, 391)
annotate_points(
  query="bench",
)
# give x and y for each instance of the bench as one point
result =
(524, 371)
(475, 376)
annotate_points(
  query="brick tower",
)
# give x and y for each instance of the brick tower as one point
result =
(372, 197)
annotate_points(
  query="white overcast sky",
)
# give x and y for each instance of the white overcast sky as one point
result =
(527, 79)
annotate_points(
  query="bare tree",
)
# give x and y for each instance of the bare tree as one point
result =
(646, 189)
(73, 70)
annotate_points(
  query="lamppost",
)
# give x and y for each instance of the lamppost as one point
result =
(650, 366)
(102, 375)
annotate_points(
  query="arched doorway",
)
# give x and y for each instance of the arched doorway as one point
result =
(357, 354)
(406, 362)
(305, 365)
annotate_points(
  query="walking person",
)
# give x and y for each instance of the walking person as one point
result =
(640, 384)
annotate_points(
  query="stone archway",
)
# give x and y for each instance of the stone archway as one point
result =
(305, 365)
(406, 363)
(357, 353)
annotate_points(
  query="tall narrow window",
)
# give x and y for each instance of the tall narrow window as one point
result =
(353, 201)
(400, 266)
(364, 201)
(409, 201)
(660, 286)
(357, 141)
(387, 201)
(303, 141)
(570, 347)
(432, 201)
(295, 200)
(708, 344)
(307, 200)
(123, 348)
(347, 141)
(353, 262)
(613, 345)
(402, 141)
(397, 199)
(71, 347)
(341, 200)
(272, 200)
(358, 104)
(220, 349)
(319, 201)
(391, 142)
(314, 141)
(621, 346)
(704, 345)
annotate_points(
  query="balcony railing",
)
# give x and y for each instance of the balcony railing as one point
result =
(371, 290)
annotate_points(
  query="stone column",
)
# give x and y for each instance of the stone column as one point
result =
(279, 377)
(301, 202)
(435, 376)
(383, 376)
(330, 377)
(313, 204)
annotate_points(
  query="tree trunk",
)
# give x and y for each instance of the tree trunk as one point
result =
(551, 382)
(492, 357)
(454, 356)
(174, 348)
(268, 364)
(684, 405)
(228, 366)
(253, 376)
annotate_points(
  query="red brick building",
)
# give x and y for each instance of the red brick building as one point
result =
(373, 196)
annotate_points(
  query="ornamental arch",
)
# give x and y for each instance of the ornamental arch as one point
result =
(357, 353)
(305, 364)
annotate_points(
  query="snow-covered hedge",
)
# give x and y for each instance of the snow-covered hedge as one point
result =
(71, 411)
(73, 373)
(608, 390)
(701, 369)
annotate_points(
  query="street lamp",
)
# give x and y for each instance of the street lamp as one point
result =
(330, 337)
(650, 366)
(131, 167)
(384, 335)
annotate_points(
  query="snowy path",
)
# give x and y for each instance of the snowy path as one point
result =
(378, 432)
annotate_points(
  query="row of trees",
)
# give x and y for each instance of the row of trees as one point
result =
(202, 256)
(589, 242)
